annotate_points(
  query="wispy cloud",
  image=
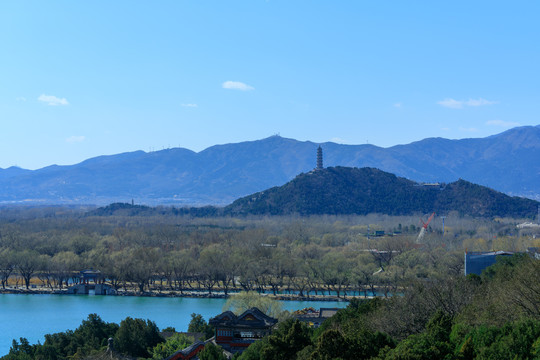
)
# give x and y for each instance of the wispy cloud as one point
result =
(398, 105)
(502, 123)
(451, 103)
(189, 105)
(460, 104)
(75, 139)
(52, 100)
(479, 102)
(237, 85)
(20, 98)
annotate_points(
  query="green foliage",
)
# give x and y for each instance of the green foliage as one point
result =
(94, 332)
(290, 337)
(508, 292)
(433, 343)
(503, 265)
(211, 352)
(331, 345)
(89, 337)
(136, 337)
(349, 328)
(173, 344)
(20, 351)
(305, 353)
(354, 313)
(286, 341)
(253, 352)
(517, 340)
(199, 325)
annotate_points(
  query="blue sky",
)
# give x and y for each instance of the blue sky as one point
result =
(80, 79)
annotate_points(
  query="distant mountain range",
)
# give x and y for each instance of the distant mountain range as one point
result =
(507, 162)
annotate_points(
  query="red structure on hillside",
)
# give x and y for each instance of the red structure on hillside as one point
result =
(188, 353)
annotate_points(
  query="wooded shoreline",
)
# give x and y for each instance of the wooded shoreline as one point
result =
(185, 294)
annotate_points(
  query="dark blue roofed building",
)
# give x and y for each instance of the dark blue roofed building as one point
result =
(475, 262)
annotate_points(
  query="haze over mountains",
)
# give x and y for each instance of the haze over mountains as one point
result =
(507, 162)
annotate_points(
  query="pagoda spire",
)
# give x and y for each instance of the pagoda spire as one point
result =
(319, 159)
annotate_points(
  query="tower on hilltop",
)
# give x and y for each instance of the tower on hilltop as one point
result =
(319, 159)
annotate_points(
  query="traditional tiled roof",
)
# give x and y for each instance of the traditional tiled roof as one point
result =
(328, 312)
(189, 352)
(251, 318)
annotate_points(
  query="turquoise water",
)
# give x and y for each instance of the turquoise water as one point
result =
(33, 316)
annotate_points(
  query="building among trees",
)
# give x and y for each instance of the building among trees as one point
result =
(190, 352)
(475, 262)
(235, 333)
(314, 318)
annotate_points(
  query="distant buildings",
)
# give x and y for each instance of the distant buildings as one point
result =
(528, 225)
(91, 281)
(96, 289)
(475, 262)
(314, 318)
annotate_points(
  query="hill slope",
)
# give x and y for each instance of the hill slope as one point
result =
(507, 162)
(341, 190)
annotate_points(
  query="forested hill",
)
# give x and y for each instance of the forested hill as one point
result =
(344, 190)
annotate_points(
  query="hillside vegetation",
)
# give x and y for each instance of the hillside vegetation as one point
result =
(342, 190)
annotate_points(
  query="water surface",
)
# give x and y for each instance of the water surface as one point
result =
(33, 316)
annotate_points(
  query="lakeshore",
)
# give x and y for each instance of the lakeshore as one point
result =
(42, 290)
(33, 315)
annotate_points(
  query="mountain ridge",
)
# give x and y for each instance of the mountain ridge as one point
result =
(218, 175)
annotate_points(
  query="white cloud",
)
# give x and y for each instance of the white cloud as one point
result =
(451, 103)
(237, 85)
(52, 100)
(20, 98)
(459, 104)
(398, 105)
(75, 139)
(189, 105)
(479, 102)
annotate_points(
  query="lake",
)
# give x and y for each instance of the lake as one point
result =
(33, 316)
